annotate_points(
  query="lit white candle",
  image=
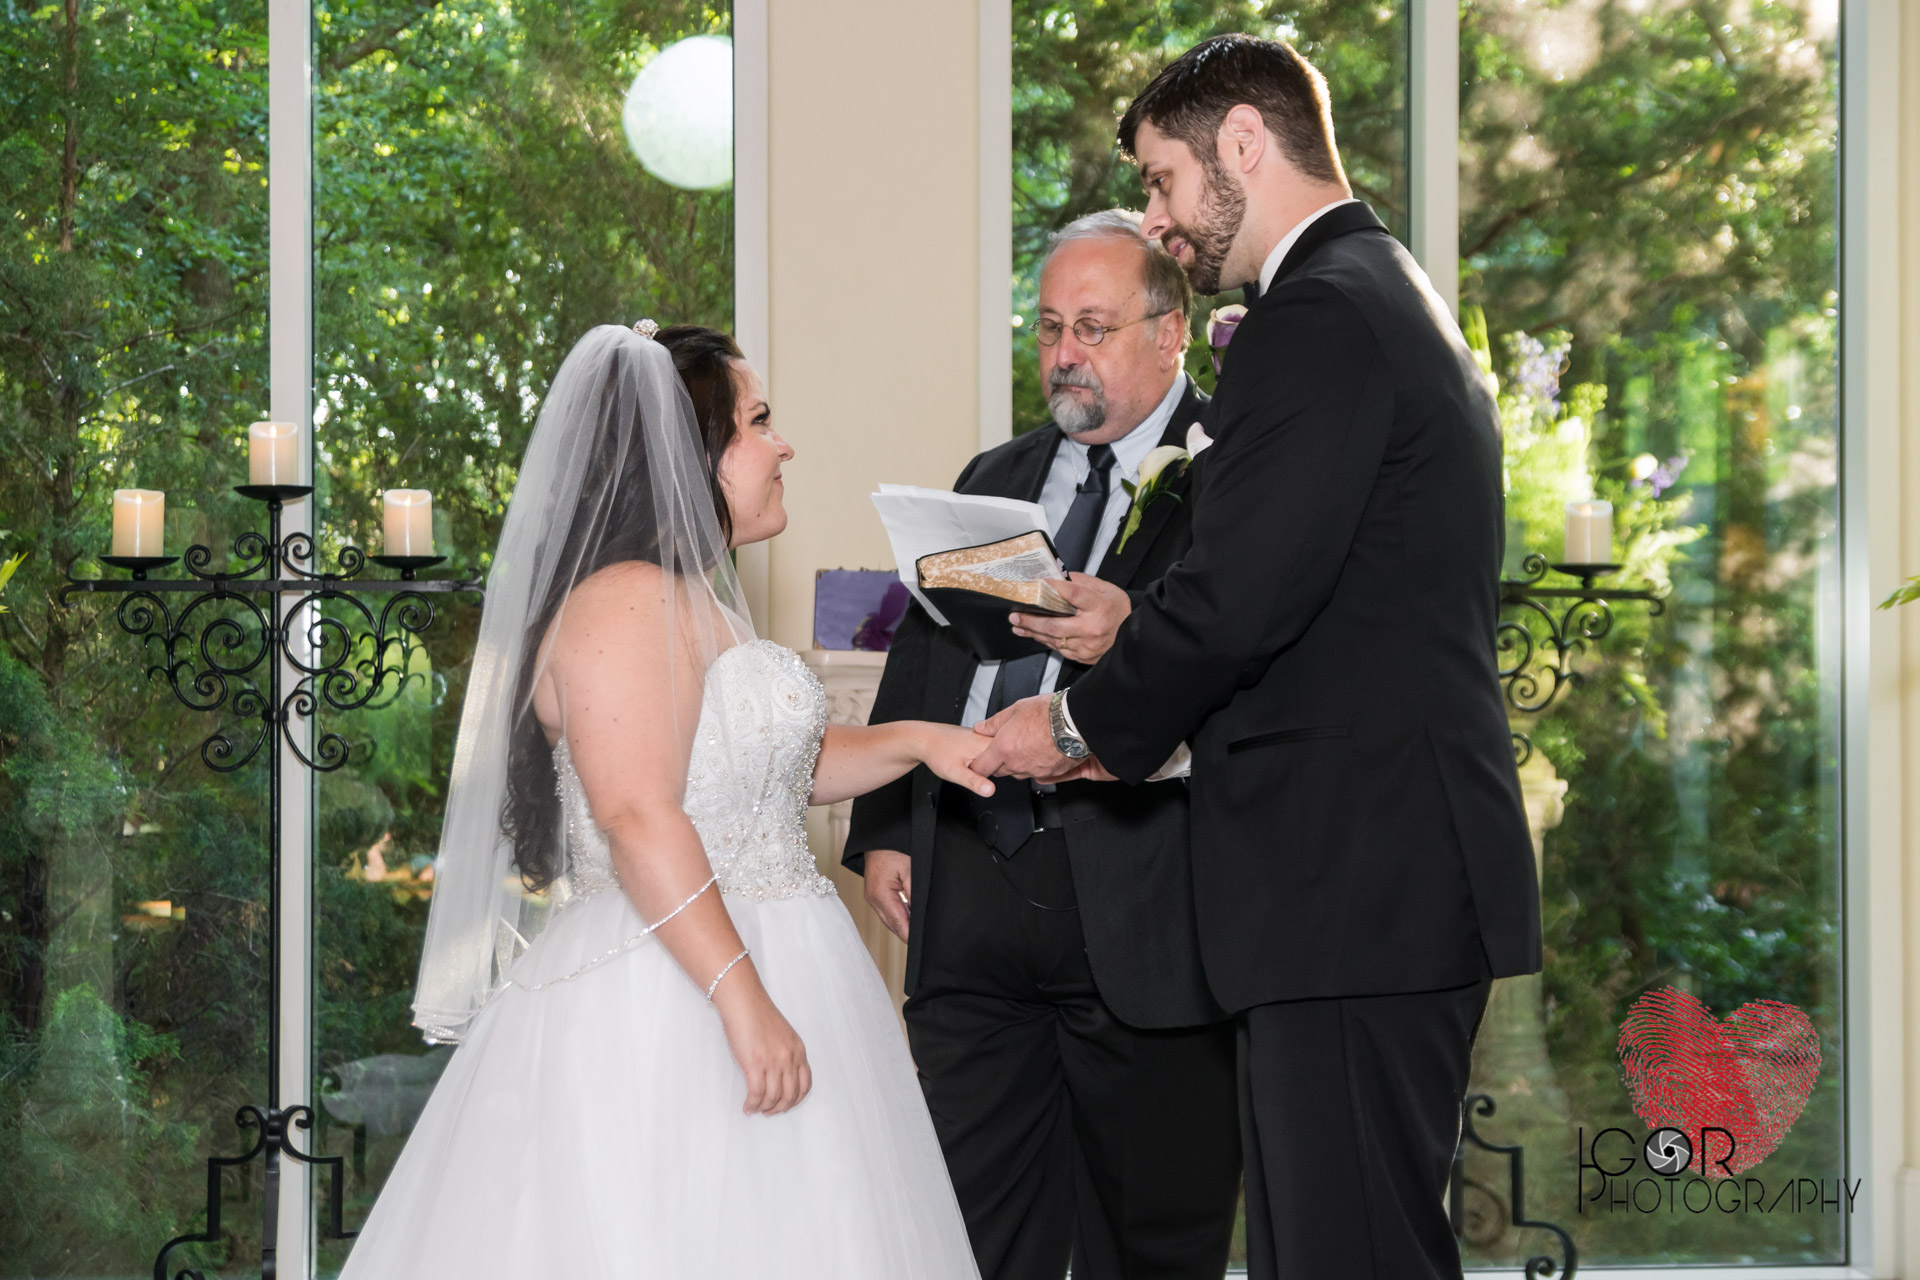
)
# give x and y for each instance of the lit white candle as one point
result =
(273, 453)
(139, 515)
(1589, 533)
(409, 522)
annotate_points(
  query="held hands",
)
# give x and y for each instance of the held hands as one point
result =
(1087, 635)
(765, 1045)
(949, 750)
(1023, 744)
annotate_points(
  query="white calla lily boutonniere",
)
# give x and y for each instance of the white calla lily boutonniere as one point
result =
(1158, 471)
(1198, 441)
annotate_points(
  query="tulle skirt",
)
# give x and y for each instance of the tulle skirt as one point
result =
(594, 1128)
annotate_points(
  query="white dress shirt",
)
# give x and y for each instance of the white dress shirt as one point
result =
(1070, 467)
(1271, 267)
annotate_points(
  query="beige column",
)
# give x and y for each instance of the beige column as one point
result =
(874, 272)
(874, 296)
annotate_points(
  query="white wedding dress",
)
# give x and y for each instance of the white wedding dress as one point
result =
(590, 1125)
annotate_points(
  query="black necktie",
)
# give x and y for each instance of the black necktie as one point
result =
(1006, 817)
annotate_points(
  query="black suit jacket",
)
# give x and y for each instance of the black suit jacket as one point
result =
(1327, 646)
(1128, 845)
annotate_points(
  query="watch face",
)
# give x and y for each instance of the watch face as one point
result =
(1071, 748)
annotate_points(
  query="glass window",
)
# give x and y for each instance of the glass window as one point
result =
(1075, 68)
(480, 201)
(133, 275)
(1647, 251)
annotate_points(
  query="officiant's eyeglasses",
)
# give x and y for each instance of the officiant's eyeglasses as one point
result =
(1088, 330)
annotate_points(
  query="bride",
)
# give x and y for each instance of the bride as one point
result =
(676, 1058)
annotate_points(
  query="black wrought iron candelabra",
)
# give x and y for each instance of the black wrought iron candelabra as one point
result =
(213, 660)
(1534, 670)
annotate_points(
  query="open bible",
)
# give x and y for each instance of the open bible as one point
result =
(977, 587)
(971, 559)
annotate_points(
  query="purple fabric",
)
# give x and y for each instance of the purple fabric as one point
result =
(857, 608)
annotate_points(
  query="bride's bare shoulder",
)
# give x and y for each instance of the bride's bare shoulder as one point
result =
(631, 598)
(626, 595)
(626, 581)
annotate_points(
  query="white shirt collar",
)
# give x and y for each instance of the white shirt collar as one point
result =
(1131, 449)
(1279, 254)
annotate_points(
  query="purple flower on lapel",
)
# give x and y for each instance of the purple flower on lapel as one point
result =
(1220, 327)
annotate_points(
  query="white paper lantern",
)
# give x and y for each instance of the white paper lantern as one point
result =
(679, 114)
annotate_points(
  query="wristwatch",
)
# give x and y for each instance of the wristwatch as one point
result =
(1065, 740)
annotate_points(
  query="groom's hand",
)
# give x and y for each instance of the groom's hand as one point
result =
(889, 886)
(1088, 770)
(1022, 743)
(1087, 635)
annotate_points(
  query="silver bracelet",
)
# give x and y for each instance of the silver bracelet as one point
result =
(624, 947)
(715, 984)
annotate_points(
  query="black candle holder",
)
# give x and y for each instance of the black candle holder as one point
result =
(138, 566)
(407, 566)
(1534, 671)
(281, 493)
(213, 660)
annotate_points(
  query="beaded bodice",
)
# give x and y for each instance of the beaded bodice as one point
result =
(762, 714)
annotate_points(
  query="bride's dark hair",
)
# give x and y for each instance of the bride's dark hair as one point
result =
(703, 357)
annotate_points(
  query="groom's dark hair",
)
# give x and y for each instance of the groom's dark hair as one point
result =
(1190, 98)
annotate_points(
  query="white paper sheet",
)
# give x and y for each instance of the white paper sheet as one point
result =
(921, 522)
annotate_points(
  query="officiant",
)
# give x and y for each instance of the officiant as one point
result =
(1079, 1073)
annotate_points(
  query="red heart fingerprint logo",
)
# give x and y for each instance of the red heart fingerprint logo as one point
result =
(1749, 1073)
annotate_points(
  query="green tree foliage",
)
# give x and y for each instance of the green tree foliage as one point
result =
(476, 208)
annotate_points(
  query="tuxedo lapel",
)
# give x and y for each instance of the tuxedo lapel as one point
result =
(1120, 566)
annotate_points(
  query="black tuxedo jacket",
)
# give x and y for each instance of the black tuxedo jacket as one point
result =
(1327, 647)
(1128, 845)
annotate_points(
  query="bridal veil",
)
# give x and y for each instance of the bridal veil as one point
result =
(615, 472)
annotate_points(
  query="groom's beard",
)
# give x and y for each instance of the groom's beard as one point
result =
(1223, 207)
(1076, 416)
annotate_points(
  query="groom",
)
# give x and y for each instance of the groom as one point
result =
(1360, 853)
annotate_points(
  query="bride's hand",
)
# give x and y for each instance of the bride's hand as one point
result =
(769, 1051)
(949, 750)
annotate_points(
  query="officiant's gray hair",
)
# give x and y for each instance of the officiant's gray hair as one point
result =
(1165, 283)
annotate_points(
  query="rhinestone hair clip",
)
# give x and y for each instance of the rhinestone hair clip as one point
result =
(646, 328)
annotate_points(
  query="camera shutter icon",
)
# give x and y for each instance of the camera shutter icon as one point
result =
(1668, 1151)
